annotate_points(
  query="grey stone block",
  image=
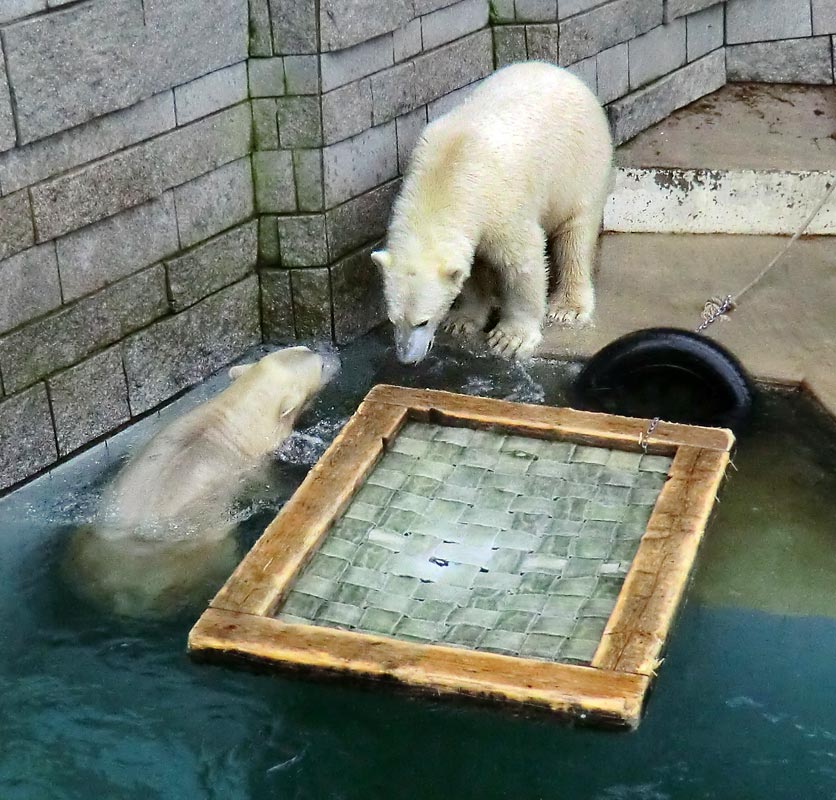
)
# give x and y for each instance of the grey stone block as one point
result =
(345, 66)
(303, 241)
(824, 17)
(766, 20)
(358, 297)
(215, 201)
(427, 6)
(452, 66)
(509, 45)
(300, 122)
(568, 8)
(301, 74)
(7, 123)
(102, 253)
(211, 93)
(656, 53)
(440, 107)
(357, 293)
(312, 314)
(541, 42)
(34, 162)
(62, 339)
(788, 61)
(103, 55)
(210, 266)
(294, 26)
(344, 23)
(455, 21)
(680, 8)
(32, 447)
(360, 220)
(266, 77)
(393, 92)
(265, 123)
(347, 111)
(184, 349)
(536, 10)
(705, 31)
(29, 286)
(613, 73)
(190, 38)
(409, 128)
(261, 36)
(359, 164)
(587, 71)
(277, 306)
(501, 12)
(407, 40)
(268, 241)
(641, 109)
(603, 27)
(75, 65)
(307, 171)
(89, 400)
(140, 173)
(16, 231)
(15, 9)
(274, 189)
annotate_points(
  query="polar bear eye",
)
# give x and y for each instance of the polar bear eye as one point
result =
(423, 324)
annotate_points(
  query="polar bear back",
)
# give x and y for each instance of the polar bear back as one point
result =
(540, 131)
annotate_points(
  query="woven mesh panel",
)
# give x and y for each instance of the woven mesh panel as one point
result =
(484, 541)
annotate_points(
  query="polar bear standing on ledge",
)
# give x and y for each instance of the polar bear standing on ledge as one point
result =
(524, 162)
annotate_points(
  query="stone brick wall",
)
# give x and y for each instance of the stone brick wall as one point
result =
(341, 89)
(128, 235)
(180, 178)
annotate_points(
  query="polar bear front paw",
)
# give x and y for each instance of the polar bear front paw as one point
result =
(462, 325)
(509, 340)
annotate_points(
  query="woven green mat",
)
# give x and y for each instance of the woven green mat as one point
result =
(485, 541)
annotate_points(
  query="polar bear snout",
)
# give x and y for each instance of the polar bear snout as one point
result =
(413, 342)
(330, 367)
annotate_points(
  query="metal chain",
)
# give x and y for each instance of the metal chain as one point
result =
(644, 435)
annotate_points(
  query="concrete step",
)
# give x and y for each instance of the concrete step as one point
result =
(748, 159)
(784, 330)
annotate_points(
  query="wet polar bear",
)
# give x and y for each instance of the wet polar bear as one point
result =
(523, 163)
(165, 528)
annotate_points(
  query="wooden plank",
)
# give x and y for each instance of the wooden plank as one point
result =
(593, 696)
(604, 430)
(651, 594)
(260, 580)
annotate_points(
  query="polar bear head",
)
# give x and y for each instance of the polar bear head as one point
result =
(293, 376)
(421, 281)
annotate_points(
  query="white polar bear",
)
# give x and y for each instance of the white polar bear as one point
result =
(525, 161)
(165, 523)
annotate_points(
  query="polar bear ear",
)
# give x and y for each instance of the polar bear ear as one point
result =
(238, 371)
(382, 259)
(456, 275)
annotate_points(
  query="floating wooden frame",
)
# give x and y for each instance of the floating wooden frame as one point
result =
(240, 623)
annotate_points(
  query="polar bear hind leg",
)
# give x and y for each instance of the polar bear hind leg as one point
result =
(573, 251)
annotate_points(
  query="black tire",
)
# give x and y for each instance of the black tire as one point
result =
(673, 374)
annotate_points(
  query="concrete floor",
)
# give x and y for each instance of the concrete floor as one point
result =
(744, 126)
(784, 330)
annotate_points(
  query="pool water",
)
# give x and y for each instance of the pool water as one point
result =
(97, 706)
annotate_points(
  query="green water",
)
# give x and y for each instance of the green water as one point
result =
(93, 706)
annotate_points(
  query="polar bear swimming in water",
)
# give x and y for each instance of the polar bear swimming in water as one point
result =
(524, 162)
(165, 527)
